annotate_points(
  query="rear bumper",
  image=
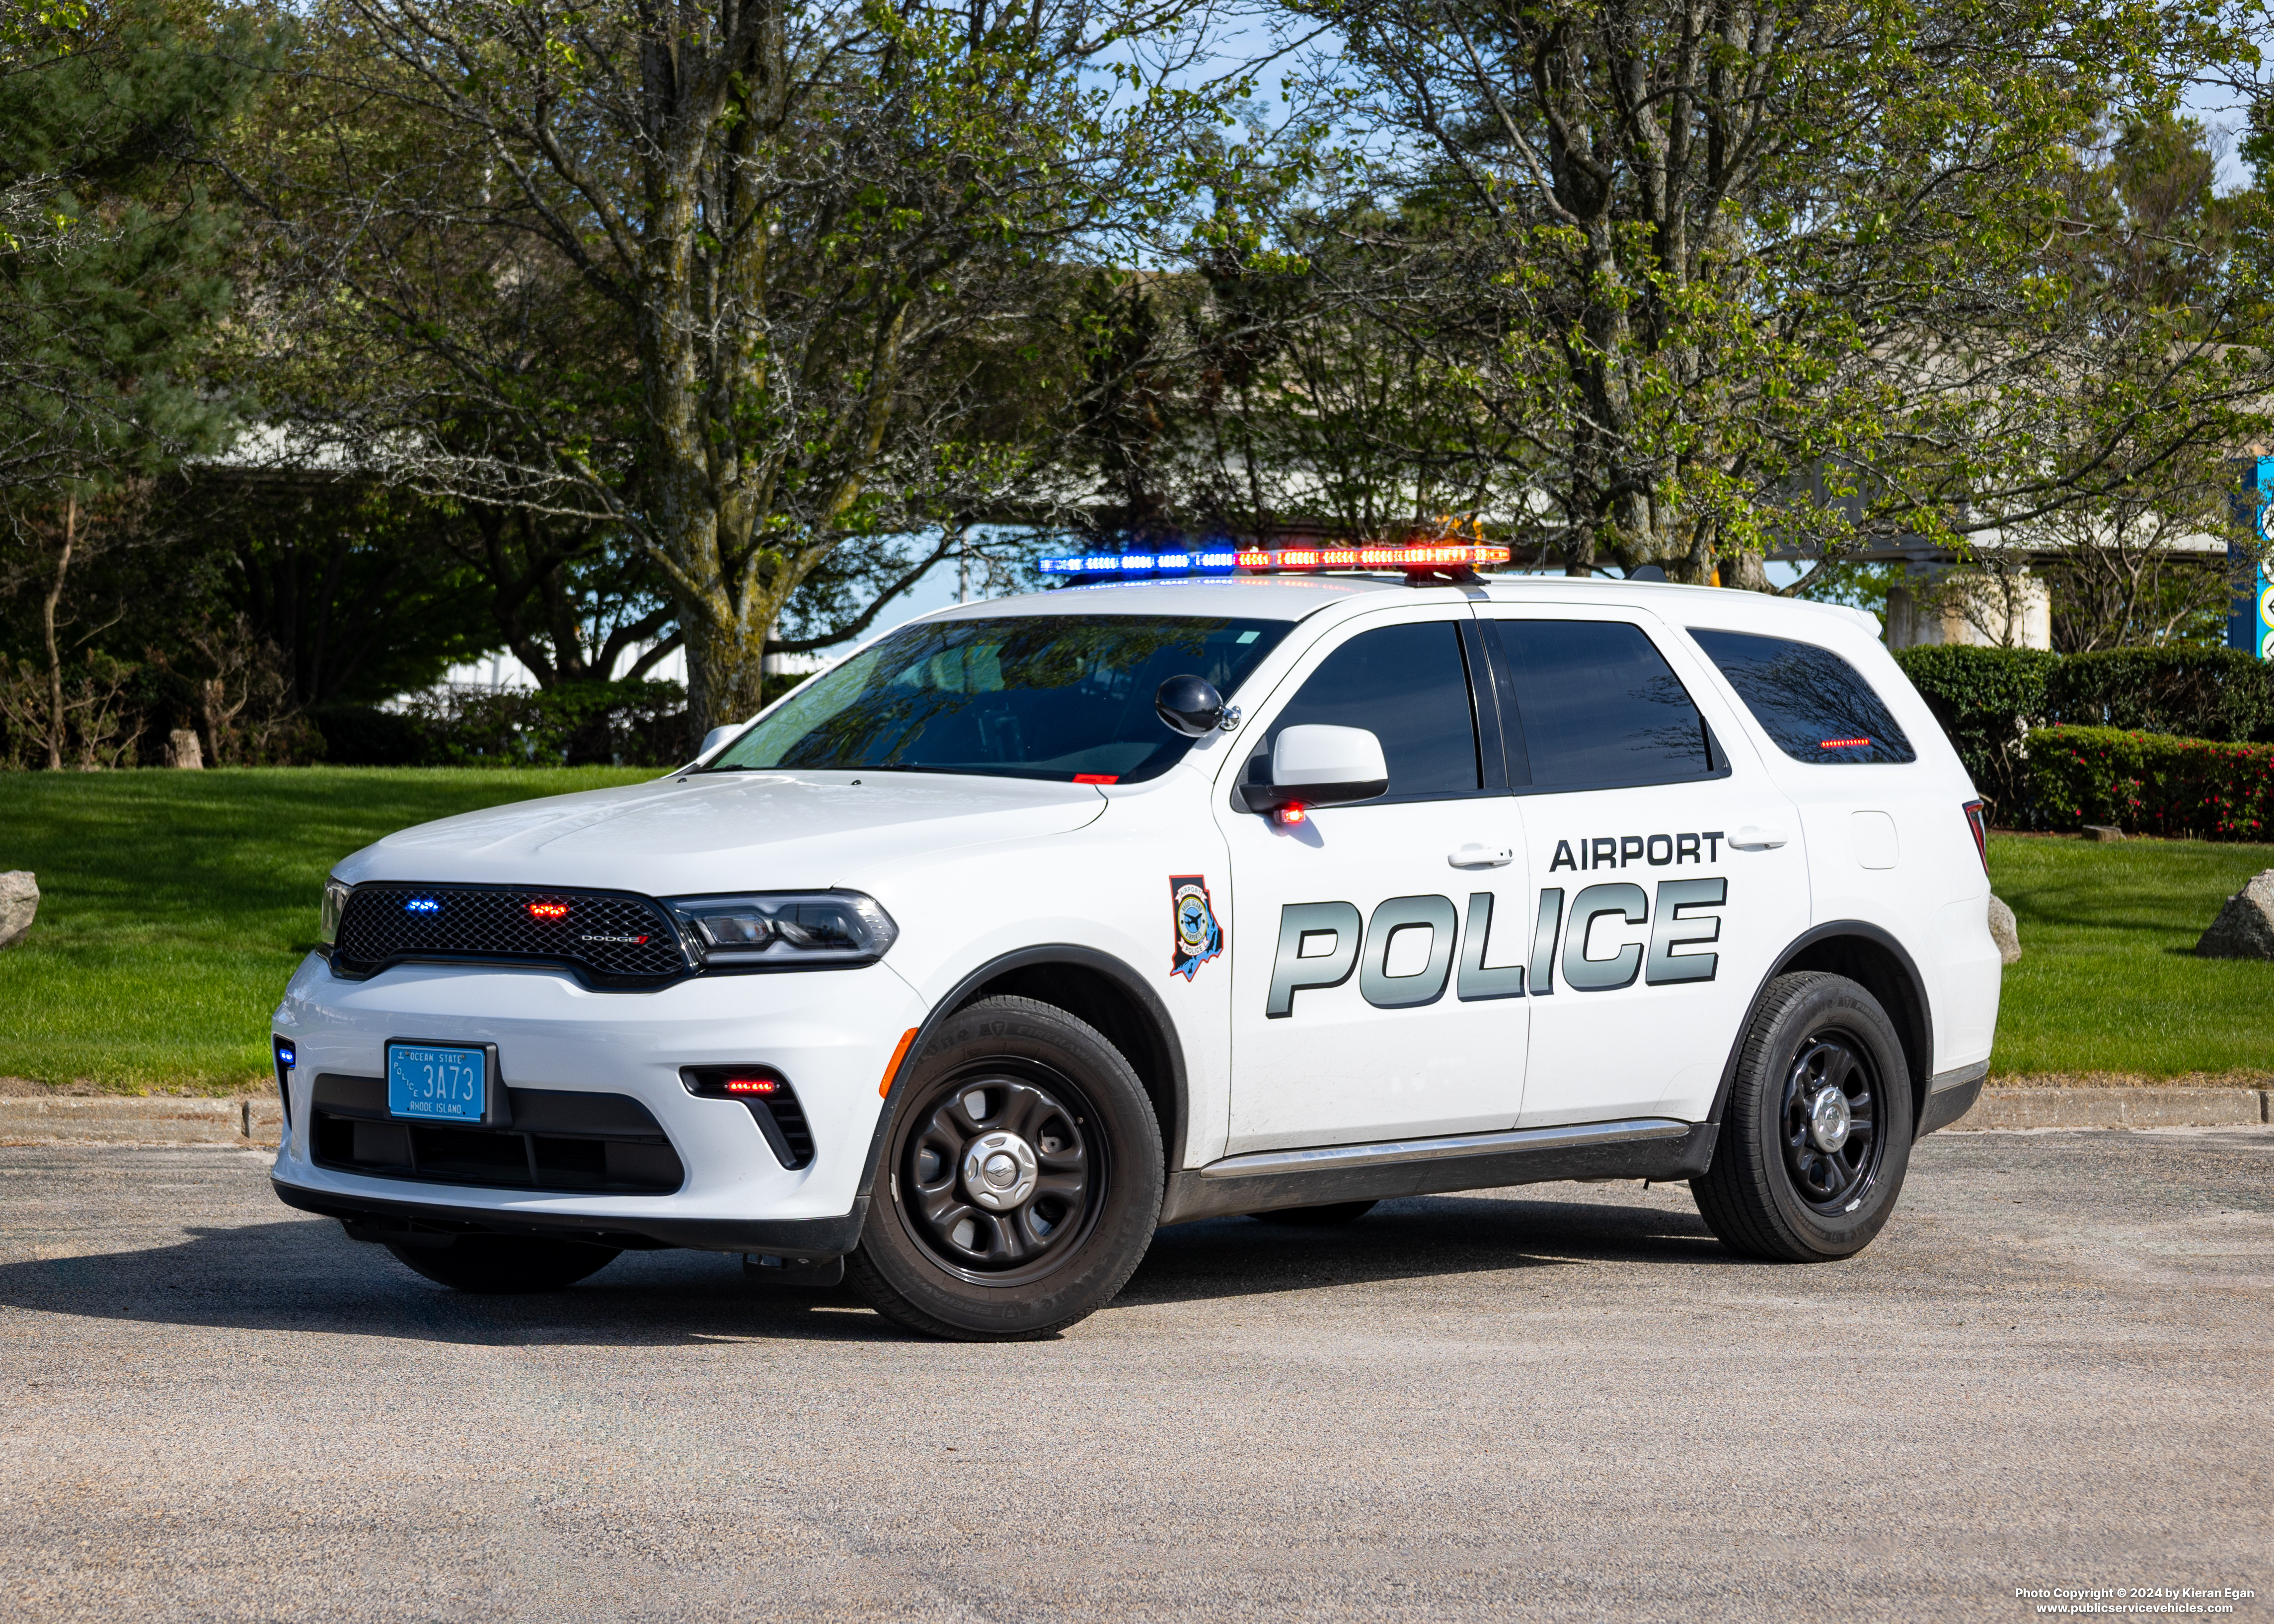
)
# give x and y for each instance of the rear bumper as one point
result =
(413, 1221)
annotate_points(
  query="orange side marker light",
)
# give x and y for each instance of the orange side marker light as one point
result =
(893, 1069)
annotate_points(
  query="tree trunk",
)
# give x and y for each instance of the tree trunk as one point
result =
(55, 714)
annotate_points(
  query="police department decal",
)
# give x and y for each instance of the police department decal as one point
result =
(1198, 937)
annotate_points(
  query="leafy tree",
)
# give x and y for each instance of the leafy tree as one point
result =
(1717, 279)
(110, 278)
(791, 228)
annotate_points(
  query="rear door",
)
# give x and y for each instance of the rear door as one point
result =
(1666, 867)
(1377, 961)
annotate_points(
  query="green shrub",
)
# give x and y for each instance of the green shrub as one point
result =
(1990, 701)
(2222, 694)
(2152, 783)
(600, 723)
(1986, 700)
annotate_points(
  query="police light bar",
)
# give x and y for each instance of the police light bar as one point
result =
(1233, 560)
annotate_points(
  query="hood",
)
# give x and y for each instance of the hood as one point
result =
(725, 832)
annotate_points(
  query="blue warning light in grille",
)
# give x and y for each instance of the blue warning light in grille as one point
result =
(422, 905)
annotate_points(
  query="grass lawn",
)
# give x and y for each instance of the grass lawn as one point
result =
(173, 906)
(2108, 979)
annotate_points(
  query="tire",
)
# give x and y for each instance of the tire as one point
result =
(1786, 1184)
(504, 1263)
(1317, 1217)
(1060, 1220)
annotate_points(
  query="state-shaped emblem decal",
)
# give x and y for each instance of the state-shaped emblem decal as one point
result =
(1198, 937)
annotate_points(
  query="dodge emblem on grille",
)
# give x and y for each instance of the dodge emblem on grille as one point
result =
(620, 941)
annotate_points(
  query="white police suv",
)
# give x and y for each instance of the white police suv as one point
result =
(1041, 922)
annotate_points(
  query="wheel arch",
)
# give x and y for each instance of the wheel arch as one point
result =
(1869, 956)
(1093, 987)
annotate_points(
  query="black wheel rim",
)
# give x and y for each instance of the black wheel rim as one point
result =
(1832, 1081)
(1037, 1221)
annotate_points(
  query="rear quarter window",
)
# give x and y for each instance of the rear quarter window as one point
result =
(1813, 703)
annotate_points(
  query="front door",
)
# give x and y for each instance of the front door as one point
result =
(1377, 971)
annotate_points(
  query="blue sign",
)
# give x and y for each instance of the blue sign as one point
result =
(2250, 622)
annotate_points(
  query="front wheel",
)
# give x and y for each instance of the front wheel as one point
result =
(1020, 1181)
(1816, 1132)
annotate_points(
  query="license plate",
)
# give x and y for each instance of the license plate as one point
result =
(437, 1082)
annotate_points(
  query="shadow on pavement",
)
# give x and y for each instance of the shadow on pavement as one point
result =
(1417, 1238)
(303, 1275)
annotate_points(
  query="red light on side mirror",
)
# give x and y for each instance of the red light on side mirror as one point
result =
(1293, 813)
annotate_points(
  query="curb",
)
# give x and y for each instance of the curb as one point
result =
(71, 1121)
(257, 1122)
(2118, 1108)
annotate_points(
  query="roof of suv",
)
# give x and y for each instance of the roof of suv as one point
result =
(1295, 597)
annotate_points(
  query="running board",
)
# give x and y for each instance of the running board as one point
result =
(1653, 1148)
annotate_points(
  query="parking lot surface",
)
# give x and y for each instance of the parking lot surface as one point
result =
(1558, 1401)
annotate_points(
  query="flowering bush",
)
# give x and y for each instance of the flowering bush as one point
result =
(2150, 783)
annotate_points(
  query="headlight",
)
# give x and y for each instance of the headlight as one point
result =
(335, 903)
(787, 930)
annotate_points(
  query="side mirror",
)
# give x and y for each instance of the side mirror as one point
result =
(717, 736)
(1314, 765)
(1190, 706)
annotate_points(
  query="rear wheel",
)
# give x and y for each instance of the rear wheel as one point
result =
(505, 1263)
(1317, 1217)
(1816, 1133)
(1020, 1181)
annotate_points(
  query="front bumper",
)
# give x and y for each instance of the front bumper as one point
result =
(414, 1223)
(831, 1033)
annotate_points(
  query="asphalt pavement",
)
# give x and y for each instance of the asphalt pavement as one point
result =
(2053, 1371)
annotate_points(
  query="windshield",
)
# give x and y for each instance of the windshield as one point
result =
(1031, 696)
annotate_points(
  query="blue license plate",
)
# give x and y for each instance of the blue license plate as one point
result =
(434, 1082)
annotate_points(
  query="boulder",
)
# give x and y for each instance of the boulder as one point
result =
(19, 903)
(183, 749)
(2245, 927)
(2005, 932)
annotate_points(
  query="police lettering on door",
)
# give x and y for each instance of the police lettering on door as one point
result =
(1321, 945)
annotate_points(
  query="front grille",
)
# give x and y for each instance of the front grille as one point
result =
(560, 1142)
(610, 938)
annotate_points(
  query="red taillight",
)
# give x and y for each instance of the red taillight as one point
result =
(548, 910)
(1978, 819)
(751, 1085)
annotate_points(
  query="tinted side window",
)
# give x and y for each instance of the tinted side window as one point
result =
(1600, 706)
(1812, 703)
(1409, 687)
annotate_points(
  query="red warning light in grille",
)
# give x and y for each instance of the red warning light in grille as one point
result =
(751, 1085)
(548, 910)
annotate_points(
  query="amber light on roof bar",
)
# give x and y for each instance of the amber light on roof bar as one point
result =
(1224, 561)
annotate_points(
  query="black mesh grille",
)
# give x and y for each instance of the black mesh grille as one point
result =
(613, 938)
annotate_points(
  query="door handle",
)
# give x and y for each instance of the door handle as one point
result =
(1752, 838)
(1475, 856)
